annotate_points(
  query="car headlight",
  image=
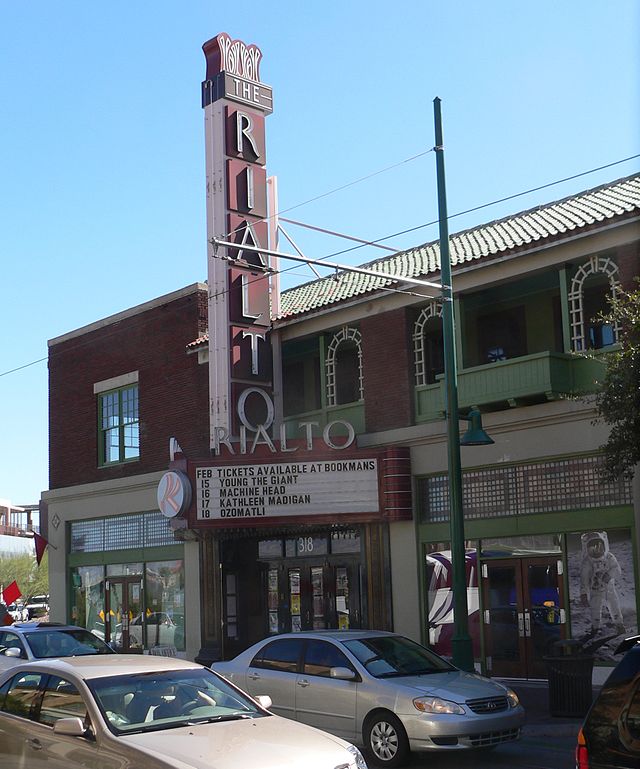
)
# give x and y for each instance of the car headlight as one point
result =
(512, 698)
(436, 705)
(358, 758)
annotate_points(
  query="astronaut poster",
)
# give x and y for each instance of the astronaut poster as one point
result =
(602, 596)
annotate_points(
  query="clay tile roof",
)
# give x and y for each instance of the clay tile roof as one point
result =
(518, 232)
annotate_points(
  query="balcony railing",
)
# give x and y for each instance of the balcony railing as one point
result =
(531, 378)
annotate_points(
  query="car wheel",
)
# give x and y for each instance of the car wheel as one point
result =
(385, 739)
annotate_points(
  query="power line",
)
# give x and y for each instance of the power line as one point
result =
(337, 189)
(19, 368)
(467, 211)
(410, 229)
(487, 205)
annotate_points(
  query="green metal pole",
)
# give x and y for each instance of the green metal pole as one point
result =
(461, 645)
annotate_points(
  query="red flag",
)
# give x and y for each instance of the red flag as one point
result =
(11, 593)
(41, 544)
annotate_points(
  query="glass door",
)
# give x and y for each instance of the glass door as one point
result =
(312, 597)
(123, 627)
(523, 614)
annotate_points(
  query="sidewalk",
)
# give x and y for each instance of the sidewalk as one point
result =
(534, 696)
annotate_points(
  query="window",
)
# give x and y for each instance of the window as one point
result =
(61, 699)
(301, 385)
(428, 346)
(344, 368)
(231, 605)
(502, 335)
(597, 333)
(11, 641)
(164, 595)
(321, 656)
(23, 694)
(280, 655)
(118, 425)
(595, 283)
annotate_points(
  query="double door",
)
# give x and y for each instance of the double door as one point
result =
(523, 614)
(313, 596)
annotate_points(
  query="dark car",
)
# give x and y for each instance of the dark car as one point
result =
(610, 735)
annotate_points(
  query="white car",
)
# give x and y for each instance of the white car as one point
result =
(19, 612)
(148, 712)
(379, 689)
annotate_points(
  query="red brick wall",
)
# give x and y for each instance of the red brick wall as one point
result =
(173, 390)
(628, 261)
(387, 359)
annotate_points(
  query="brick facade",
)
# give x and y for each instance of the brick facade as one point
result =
(387, 357)
(628, 261)
(173, 389)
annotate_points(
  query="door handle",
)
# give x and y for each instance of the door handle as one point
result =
(527, 623)
(253, 676)
(521, 624)
(34, 743)
(303, 682)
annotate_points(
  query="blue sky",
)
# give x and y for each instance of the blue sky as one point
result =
(102, 144)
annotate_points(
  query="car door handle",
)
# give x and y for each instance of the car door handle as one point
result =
(253, 676)
(34, 743)
(303, 682)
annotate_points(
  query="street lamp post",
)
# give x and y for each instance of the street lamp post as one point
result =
(461, 646)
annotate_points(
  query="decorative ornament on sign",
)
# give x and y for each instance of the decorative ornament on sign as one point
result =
(234, 57)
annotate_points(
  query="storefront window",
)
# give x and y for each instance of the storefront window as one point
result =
(519, 547)
(164, 599)
(87, 598)
(345, 541)
(306, 546)
(124, 569)
(439, 581)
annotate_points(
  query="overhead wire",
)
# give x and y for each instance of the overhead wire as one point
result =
(395, 234)
(449, 217)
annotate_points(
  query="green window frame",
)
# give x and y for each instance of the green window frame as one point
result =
(118, 426)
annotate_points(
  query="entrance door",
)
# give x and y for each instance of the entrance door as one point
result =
(123, 628)
(523, 614)
(313, 597)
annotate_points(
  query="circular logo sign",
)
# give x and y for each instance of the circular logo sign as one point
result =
(174, 494)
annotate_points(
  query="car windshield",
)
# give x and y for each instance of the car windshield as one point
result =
(395, 656)
(69, 642)
(146, 702)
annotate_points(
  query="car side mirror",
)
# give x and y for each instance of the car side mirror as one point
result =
(344, 674)
(264, 700)
(72, 727)
(13, 652)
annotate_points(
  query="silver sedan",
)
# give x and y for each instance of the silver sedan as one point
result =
(379, 689)
(147, 712)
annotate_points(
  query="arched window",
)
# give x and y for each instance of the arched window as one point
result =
(428, 350)
(344, 367)
(593, 285)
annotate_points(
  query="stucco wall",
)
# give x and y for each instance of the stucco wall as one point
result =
(97, 500)
(404, 584)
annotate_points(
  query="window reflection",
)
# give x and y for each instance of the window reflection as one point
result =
(439, 581)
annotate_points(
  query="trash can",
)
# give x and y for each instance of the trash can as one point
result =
(569, 670)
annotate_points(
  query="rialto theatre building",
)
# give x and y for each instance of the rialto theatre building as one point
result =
(292, 516)
(269, 461)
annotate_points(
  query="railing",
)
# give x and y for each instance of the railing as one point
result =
(545, 375)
